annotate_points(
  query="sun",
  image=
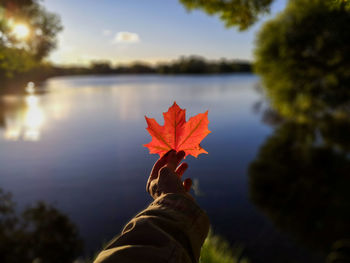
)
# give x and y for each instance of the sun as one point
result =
(21, 31)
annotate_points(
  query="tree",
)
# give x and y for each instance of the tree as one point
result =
(43, 26)
(303, 56)
(240, 13)
(14, 61)
(101, 67)
(20, 53)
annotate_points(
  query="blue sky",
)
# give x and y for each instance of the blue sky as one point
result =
(124, 31)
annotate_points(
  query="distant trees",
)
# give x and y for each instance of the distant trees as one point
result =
(101, 66)
(303, 56)
(136, 68)
(240, 13)
(183, 65)
(35, 37)
(199, 65)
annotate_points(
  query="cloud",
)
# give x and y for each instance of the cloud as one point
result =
(107, 32)
(126, 37)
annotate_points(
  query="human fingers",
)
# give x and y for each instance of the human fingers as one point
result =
(187, 184)
(179, 157)
(160, 185)
(156, 167)
(160, 163)
(181, 169)
(172, 161)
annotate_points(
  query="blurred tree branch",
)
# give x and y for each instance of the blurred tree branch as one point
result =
(238, 13)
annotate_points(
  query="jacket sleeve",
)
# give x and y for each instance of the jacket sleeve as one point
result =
(172, 229)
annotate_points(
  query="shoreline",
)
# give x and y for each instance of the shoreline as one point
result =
(19, 86)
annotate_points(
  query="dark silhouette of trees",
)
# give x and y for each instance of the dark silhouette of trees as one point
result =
(199, 65)
(183, 65)
(101, 66)
(303, 57)
(40, 233)
(300, 180)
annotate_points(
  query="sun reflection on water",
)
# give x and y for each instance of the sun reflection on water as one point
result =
(34, 119)
(27, 123)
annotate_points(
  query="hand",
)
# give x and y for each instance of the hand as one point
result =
(166, 175)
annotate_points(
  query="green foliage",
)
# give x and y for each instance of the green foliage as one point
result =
(341, 4)
(19, 56)
(42, 24)
(216, 250)
(303, 56)
(14, 61)
(240, 13)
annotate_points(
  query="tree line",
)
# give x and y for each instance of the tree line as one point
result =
(183, 65)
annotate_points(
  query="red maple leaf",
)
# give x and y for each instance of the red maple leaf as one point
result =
(178, 134)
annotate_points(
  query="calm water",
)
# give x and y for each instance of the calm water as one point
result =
(77, 143)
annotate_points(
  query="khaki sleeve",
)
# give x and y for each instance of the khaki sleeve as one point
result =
(172, 229)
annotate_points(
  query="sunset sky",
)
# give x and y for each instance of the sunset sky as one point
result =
(151, 31)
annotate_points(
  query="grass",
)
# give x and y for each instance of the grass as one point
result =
(217, 250)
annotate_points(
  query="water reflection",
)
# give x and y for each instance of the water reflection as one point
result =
(124, 99)
(300, 177)
(300, 180)
(91, 135)
(34, 119)
(23, 118)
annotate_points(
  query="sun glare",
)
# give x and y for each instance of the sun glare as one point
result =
(21, 31)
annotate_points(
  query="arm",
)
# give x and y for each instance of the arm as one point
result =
(172, 229)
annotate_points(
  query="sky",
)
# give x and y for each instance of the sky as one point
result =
(125, 31)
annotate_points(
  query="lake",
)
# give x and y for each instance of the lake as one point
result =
(76, 142)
